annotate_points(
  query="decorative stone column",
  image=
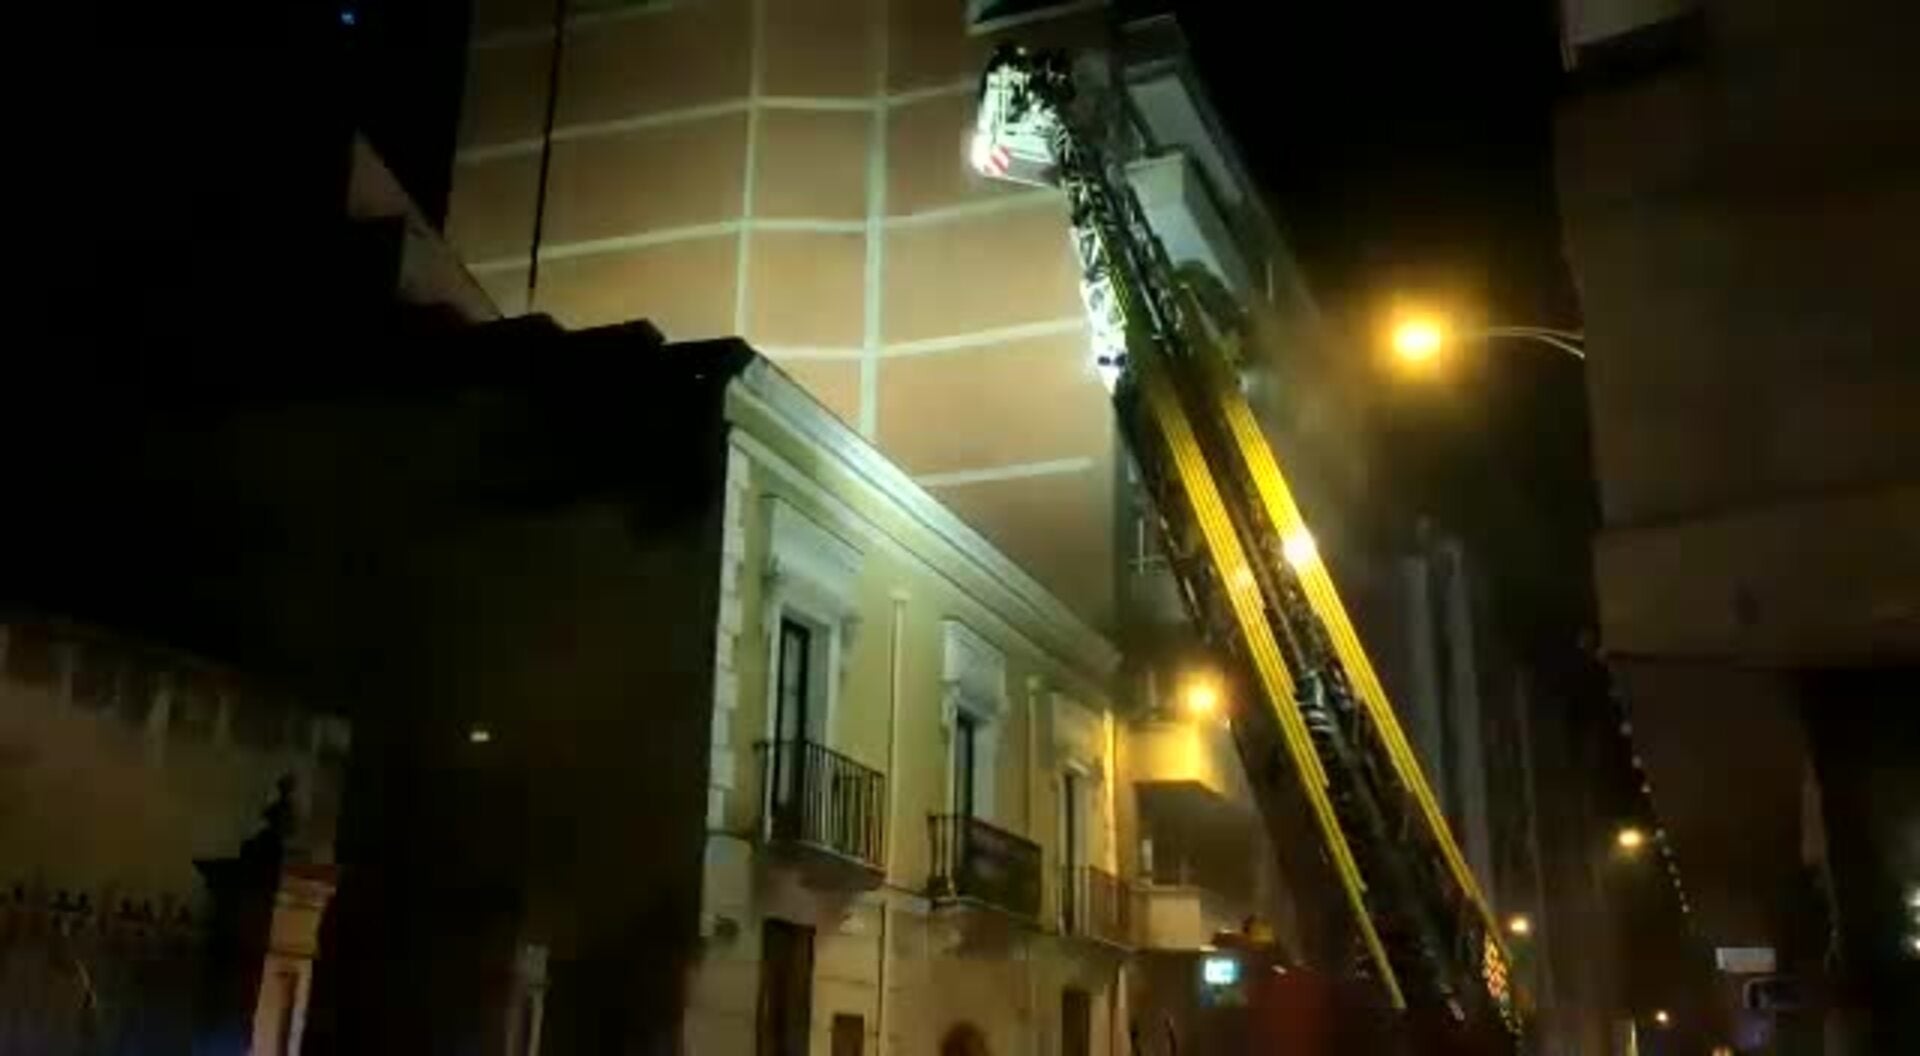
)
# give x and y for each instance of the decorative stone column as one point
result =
(527, 1001)
(293, 943)
(262, 939)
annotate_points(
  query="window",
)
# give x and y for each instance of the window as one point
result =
(1073, 824)
(793, 681)
(1073, 821)
(974, 678)
(966, 764)
(811, 611)
(799, 707)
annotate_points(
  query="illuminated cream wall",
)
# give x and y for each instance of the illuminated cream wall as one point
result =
(890, 574)
(790, 171)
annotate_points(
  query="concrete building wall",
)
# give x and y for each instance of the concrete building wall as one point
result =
(791, 171)
(1737, 241)
(1737, 183)
(120, 764)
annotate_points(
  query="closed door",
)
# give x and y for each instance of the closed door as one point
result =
(849, 1035)
(1076, 1023)
(786, 988)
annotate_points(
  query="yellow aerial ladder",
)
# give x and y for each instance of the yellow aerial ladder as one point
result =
(1251, 577)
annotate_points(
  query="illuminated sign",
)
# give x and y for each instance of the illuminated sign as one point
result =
(1220, 971)
(1744, 960)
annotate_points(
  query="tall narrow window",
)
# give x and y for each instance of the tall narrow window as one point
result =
(1072, 821)
(1072, 855)
(795, 680)
(966, 749)
(792, 721)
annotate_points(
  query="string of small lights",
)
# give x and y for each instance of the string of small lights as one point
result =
(1648, 810)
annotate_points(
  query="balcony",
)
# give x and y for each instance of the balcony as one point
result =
(976, 863)
(1195, 757)
(1185, 917)
(823, 805)
(1096, 905)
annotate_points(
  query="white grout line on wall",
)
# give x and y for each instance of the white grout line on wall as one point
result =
(617, 243)
(813, 227)
(869, 424)
(839, 104)
(510, 38)
(597, 129)
(624, 13)
(1072, 324)
(575, 23)
(619, 125)
(615, 126)
(938, 91)
(742, 255)
(496, 151)
(1017, 471)
(999, 203)
(809, 352)
(662, 236)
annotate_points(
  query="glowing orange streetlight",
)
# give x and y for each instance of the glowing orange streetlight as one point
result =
(1200, 697)
(1418, 339)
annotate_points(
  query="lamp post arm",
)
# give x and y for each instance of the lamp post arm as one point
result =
(1568, 341)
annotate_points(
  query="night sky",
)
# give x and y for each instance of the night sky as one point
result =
(1405, 148)
(1404, 144)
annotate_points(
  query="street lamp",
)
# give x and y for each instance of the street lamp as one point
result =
(1661, 1017)
(1418, 339)
(1630, 838)
(1520, 925)
(1200, 697)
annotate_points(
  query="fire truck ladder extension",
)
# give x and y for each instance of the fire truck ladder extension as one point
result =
(1240, 550)
(1250, 609)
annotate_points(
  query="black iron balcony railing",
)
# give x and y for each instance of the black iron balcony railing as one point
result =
(1095, 904)
(816, 797)
(973, 860)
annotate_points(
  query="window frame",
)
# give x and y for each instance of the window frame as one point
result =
(974, 686)
(964, 766)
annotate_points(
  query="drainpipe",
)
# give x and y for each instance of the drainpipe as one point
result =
(1033, 753)
(546, 150)
(896, 674)
(1033, 775)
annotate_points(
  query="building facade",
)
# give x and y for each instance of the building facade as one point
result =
(916, 825)
(794, 173)
(1732, 177)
